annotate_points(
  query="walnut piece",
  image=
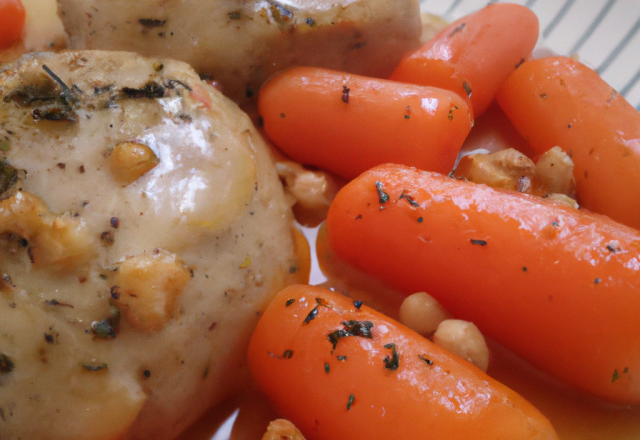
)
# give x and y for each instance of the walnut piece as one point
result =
(551, 177)
(281, 429)
(59, 242)
(147, 287)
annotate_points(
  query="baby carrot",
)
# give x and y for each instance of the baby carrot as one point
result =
(340, 370)
(475, 54)
(555, 285)
(347, 123)
(559, 101)
(12, 18)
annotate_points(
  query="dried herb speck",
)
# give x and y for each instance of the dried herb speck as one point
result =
(392, 362)
(478, 242)
(350, 402)
(383, 197)
(326, 368)
(97, 367)
(428, 361)
(409, 199)
(103, 329)
(151, 23)
(6, 364)
(312, 315)
(615, 376)
(467, 89)
(289, 302)
(457, 29)
(357, 304)
(345, 94)
(351, 328)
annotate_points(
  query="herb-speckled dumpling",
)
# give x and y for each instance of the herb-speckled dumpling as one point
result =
(143, 229)
(242, 43)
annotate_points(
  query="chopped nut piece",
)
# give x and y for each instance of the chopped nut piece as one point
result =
(312, 191)
(554, 172)
(510, 169)
(56, 241)
(502, 169)
(130, 160)
(281, 429)
(563, 199)
(148, 287)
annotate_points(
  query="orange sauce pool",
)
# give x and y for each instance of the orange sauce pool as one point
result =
(574, 415)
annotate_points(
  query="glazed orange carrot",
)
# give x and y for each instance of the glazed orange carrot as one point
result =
(12, 17)
(559, 101)
(556, 285)
(475, 54)
(347, 123)
(340, 370)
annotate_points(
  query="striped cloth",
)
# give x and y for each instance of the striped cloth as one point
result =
(605, 33)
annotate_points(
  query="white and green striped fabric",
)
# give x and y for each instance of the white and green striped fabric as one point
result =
(605, 33)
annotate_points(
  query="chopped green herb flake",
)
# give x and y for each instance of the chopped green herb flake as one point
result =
(428, 361)
(98, 367)
(596, 281)
(392, 362)
(150, 90)
(555, 223)
(345, 94)
(342, 358)
(289, 302)
(467, 89)
(312, 315)
(6, 364)
(455, 107)
(420, 219)
(613, 247)
(286, 355)
(351, 328)
(478, 242)
(151, 23)
(409, 199)
(358, 304)
(457, 29)
(103, 329)
(615, 376)
(407, 116)
(326, 368)
(350, 402)
(383, 197)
